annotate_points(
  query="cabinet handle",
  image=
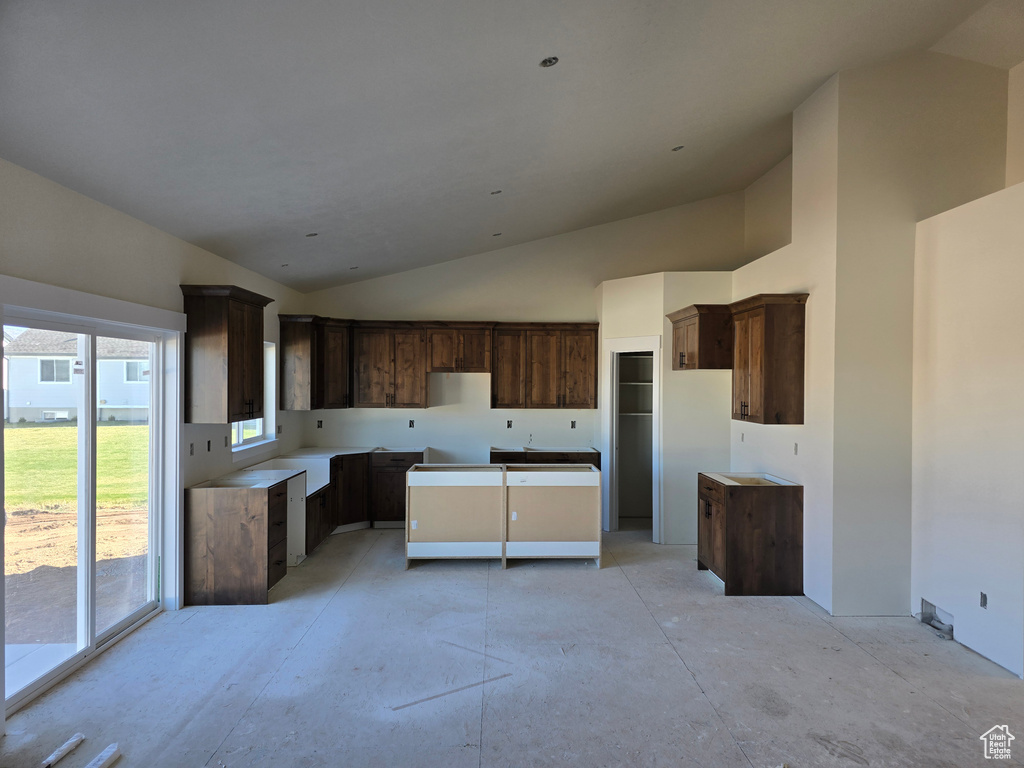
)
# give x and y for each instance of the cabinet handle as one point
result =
(280, 522)
(708, 488)
(682, 359)
(279, 562)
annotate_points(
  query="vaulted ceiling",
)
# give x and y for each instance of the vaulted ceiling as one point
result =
(387, 128)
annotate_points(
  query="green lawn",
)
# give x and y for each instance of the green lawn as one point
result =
(41, 466)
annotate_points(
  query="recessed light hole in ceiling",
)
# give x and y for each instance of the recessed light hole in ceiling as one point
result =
(676, 149)
(550, 61)
(312, 234)
(496, 192)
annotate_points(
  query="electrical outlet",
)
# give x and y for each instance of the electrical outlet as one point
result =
(508, 424)
(280, 429)
(412, 423)
(796, 449)
(743, 436)
(209, 445)
(319, 423)
(191, 449)
(984, 600)
(226, 444)
(572, 425)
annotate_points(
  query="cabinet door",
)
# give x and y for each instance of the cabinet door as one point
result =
(335, 375)
(579, 369)
(314, 510)
(475, 350)
(442, 350)
(691, 344)
(704, 556)
(237, 360)
(508, 375)
(388, 492)
(372, 357)
(252, 375)
(543, 369)
(740, 364)
(354, 479)
(718, 559)
(678, 346)
(755, 393)
(410, 374)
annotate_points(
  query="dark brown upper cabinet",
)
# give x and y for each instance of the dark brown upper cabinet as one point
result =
(389, 362)
(545, 366)
(223, 354)
(701, 337)
(315, 363)
(458, 348)
(768, 359)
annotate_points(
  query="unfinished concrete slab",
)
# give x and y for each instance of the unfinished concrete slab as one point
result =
(643, 662)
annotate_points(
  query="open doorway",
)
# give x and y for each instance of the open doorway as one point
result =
(631, 434)
(634, 454)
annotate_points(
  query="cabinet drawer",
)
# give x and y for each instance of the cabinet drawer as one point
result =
(277, 514)
(277, 563)
(712, 489)
(396, 458)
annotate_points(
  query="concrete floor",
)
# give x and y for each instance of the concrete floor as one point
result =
(643, 663)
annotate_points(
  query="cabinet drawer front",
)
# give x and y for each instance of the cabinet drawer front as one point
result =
(710, 488)
(277, 516)
(277, 563)
(396, 458)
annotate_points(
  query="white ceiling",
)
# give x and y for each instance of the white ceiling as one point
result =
(243, 125)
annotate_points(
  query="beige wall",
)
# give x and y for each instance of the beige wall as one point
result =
(1015, 127)
(768, 211)
(52, 235)
(968, 483)
(551, 279)
(806, 266)
(917, 136)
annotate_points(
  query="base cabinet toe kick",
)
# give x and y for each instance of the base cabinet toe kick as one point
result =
(503, 511)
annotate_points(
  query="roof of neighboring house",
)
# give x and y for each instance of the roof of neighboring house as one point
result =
(39, 343)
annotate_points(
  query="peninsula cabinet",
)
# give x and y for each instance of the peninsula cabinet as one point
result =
(768, 359)
(750, 532)
(701, 337)
(543, 365)
(458, 348)
(236, 545)
(389, 362)
(223, 354)
(314, 363)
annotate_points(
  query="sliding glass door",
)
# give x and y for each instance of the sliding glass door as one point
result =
(78, 484)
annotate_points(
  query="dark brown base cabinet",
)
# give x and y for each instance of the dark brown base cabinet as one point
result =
(751, 536)
(236, 545)
(387, 484)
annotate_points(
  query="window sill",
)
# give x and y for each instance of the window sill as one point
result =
(250, 451)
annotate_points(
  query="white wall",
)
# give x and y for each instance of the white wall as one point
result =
(52, 235)
(806, 266)
(696, 408)
(1015, 127)
(768, 211)
(968, 481)
(917, 135)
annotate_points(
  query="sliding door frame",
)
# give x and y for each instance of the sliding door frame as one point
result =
(23, 302)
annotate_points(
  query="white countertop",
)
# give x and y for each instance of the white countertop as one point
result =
(254, 479)
(321, 453)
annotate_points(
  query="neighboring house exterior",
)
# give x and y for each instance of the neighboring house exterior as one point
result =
(40, 385)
